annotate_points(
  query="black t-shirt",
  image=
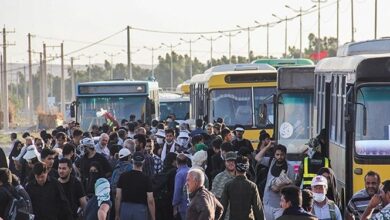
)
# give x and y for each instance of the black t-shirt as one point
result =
(73, 191)
(134, 185)
(5, 199)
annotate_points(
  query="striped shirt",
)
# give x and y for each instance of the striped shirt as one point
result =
(359, 203)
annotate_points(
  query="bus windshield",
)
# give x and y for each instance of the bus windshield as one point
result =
(180, 109)
(119, 106)
(373, 121)
(235, 106)
(294, 120)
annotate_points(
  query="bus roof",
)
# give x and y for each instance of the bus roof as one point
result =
(379, 46)
(348, 63)
(149, 85)
(232, 69)
(285, 62)
(172, 97)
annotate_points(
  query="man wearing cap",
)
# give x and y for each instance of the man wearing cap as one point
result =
(184, 141)
(124, 165)
(312, 163)
(134, 193)
(323, 208)
(224, 177)
(376, 200)
(240, 142)
(242, 195)
(90, 156)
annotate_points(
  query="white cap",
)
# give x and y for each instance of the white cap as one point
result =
(199, 158)
(124, 152)
(160, 133)
(31, 153)
(319, 181)
(183, 134)
(88, 142)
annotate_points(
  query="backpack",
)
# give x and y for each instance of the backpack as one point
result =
(332, 210)
(20, 206)
(160, 185)
(119, 169)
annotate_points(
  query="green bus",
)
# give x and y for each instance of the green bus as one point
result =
(277, 63)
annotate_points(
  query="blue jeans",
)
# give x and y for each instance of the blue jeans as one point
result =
(133, 211)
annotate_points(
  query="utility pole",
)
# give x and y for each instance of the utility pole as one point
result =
(248, 29)
(5, 80)
(319, 25)
(190, 42)
(285, 33)
(62, 81)
(30, 83)
(230, 35)
(129, 67)
(44, 81)
(171, 47)
(300, 11)
(338, 22)
(41, 80)
(267, 25)
(376, 19)
(353, 24)
(211, 39)
(112, 55)
(152, 49)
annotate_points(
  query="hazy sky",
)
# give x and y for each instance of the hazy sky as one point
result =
(78, 22)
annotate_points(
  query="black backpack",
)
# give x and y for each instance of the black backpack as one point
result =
(160, 186)
(20, 207)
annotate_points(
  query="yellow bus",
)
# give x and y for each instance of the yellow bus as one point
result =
(352, 93)
(237, 93)
(184, 88)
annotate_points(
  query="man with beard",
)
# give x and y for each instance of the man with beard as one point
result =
(277, 164)
(72, 186)
(170, 143)
(384, 198)
(102, 146)
(224, 177)
(90, 156)
(360, 200)
(240, 142)
(47, 196)
(242, 195)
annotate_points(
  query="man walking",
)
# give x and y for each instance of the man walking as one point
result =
(134, 193)
(203, 203)
(47, 196)
(73, 188)
(242, 194)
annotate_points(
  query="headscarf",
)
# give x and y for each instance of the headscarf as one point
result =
(242, 167)
(102, 190)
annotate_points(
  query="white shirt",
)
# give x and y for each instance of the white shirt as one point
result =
(102, 150)
(323, 213)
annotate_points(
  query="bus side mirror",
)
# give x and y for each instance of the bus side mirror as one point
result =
(263, 114)
(73, 109)
(349, 111)
(348, 116)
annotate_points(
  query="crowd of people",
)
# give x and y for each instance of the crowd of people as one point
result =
(165, 171)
